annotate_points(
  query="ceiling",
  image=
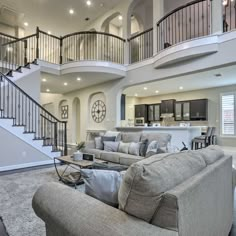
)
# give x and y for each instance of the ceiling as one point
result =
(202, 80)
(53, 15)
(55, 83)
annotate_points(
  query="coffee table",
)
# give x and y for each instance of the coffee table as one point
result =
(74, 178)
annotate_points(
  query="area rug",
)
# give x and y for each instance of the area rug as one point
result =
(16, 194)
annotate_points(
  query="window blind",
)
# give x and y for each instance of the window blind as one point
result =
(228, 114)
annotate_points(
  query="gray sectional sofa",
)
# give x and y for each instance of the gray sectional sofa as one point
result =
(179, 194)
(127, 137)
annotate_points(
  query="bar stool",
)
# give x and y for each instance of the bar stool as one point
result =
(203, 140)
(213, 136)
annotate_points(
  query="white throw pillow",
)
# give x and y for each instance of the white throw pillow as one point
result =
(111, 146)
(98, 143)
(102, 184)
(123, 147)
(134, 148)
(152, 146)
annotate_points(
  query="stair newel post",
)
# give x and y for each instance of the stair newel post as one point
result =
(25, 51)
(65, 138)
(37, 43)
(61, 48)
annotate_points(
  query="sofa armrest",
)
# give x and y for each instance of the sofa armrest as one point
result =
(90, 145)
(69, 212)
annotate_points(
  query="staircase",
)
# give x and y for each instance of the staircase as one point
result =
(20, 114)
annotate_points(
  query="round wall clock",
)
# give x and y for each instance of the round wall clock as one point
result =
(98, 111)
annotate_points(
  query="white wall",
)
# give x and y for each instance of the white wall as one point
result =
(14, 151)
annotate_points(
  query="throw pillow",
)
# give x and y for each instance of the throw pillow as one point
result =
(134, 148)
(102, 185)
(113, 134)
(152, 146)
(123, 147)
(143, 148)
(98, 143)
(108, 138)
(154, 152)
(111, 146)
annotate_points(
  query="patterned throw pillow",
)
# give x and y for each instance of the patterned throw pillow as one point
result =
(98, 143)
(111, 146)
(143, 148)
(152, 146)
(134, 148)
(123, 147)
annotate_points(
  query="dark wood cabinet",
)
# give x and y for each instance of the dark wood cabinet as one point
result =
(167, 106)
(199, 109)
(154, 112)
(141, 111)
(182, 111)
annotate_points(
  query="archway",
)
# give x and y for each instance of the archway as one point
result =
(76, 121)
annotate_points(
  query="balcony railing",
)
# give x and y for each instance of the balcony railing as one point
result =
(190, 21)
(229, 15)
(141, 46)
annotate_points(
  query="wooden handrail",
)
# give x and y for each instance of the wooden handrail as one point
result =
(139, 34)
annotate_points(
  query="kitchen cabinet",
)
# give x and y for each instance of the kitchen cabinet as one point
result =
(141, 111)
(199, 109)
(154, 112)
(167, 106)
(182, 111)
(178, 111)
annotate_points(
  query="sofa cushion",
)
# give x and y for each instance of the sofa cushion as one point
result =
(128, 137)
(123, 147)
(96, 152)
(211, 154)
(134, 148)
(145, 181)
(102, 185)
(111, 146)
(110, 156)
(128, 160)
(162, 138)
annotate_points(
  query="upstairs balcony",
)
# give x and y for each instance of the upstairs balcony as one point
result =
(185, 27)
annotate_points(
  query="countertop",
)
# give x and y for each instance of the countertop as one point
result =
(159, 128)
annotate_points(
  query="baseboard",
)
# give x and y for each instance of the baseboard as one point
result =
(26, 165)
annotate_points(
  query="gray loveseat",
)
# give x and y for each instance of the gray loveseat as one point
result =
(127, 137)
(183, 194)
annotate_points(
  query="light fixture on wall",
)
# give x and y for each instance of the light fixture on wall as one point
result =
(65, 84)
(88, 3)
(120, 17)
(26, 24)
(71, 11)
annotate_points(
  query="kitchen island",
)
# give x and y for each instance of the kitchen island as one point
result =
(179, 134)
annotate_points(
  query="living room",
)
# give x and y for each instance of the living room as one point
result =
(122, 117)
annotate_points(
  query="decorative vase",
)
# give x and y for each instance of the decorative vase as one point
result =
(78, 156)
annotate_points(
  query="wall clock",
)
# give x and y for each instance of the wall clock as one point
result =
(98, 111)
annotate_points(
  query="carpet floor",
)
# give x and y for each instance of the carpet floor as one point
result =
(16, 195)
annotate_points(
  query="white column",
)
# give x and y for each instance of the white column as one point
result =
(158, 13)
(126, 30)
(216, 17)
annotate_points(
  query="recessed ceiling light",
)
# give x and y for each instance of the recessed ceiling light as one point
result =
(181, 87)
(120, 17)
(26, 24)
(49, 32)
(145, 88)
(71, 11)
(89, 3)
(136, 95)
(65, 84)
(44, 80)
(48, 90)
(156, 91)
(78, 79)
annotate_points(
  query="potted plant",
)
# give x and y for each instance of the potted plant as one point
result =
(78, 156)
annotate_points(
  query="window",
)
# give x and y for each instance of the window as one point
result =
(228, 114)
